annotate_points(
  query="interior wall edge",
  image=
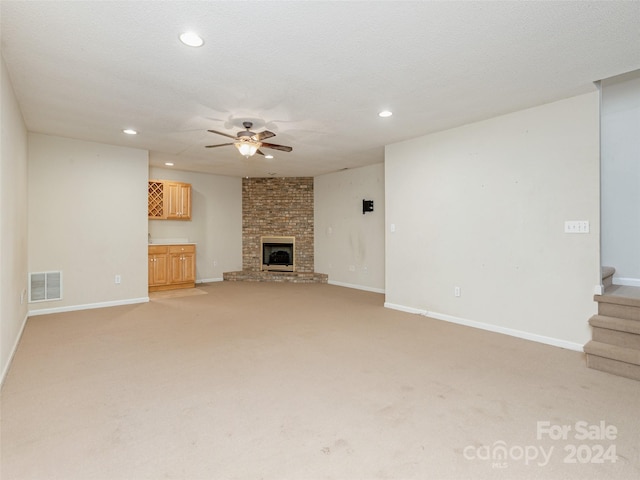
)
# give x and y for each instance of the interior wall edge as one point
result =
(6, 368)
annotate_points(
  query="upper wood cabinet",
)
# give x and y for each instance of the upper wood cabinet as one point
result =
(179, 204)
(169, 200)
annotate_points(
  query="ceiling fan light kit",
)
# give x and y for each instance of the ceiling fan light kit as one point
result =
(247, 148)
(249, 143)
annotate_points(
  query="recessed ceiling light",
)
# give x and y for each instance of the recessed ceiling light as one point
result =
(385, 113)
(268, 157)
(191, 39)
(168, 164)
(129, 131)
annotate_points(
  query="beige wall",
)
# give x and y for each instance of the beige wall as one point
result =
(349, 246)
(88, 218)
(13, 222)
(483, 207)
(216, 221)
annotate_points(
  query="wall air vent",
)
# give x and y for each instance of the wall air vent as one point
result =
(44, 286)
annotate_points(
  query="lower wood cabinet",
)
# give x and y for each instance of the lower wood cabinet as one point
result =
(158, 266)
(172, 267)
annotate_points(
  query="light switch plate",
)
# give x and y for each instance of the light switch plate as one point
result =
(576, 226)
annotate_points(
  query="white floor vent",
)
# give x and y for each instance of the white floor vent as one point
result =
(44, 286)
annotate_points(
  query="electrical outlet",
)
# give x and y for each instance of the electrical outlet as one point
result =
(118, 279)
(215, 263)
(456, 291)
(352, 268)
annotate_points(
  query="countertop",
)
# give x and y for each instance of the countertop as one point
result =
(171, 243)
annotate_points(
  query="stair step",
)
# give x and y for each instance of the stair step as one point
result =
(614, 367)
(615, 323)
(608, 272)
(613, 352)
(624, 362)
(617, 306)
(616, 337)
(615, 331)
(618, 300)
(607, 276)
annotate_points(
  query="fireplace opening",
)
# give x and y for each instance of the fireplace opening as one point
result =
(278, 253)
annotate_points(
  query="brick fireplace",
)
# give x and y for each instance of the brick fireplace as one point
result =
(277, 208)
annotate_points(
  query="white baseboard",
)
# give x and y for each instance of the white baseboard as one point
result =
(209, 280)
(626, 281)
(88, 306)
(492, 328)
(5, 370)
(357, 287)
(402, 308)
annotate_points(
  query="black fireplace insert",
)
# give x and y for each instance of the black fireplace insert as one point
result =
(277, 254)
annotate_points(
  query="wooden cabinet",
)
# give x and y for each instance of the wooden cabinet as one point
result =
(169, 200)
(172, 267)
(158, 266)
(179, 200)
(182, 260)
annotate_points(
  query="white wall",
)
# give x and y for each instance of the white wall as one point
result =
(13, 221)
(88, 218)
(215, 225)
(483, 207)
(620, 151)
(349, 246)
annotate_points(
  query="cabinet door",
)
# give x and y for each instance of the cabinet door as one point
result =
(185, 201)
(176, 268)
(182, 259)
(189, 267)
(158, 271)
(152, 274)
(178, 200)
(171, 192)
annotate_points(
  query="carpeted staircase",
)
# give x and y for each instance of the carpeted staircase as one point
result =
(615, 344)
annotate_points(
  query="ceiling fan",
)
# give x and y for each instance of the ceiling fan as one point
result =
(248, 143)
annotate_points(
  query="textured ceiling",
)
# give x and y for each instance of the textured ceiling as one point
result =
(315, 73)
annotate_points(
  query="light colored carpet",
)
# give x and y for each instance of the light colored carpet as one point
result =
(181, 292)
(301, 381)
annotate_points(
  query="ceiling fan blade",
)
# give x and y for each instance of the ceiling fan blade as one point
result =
(222, 133)
(259, 152)
(220, 145)
(283, 148)
(258, 137)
